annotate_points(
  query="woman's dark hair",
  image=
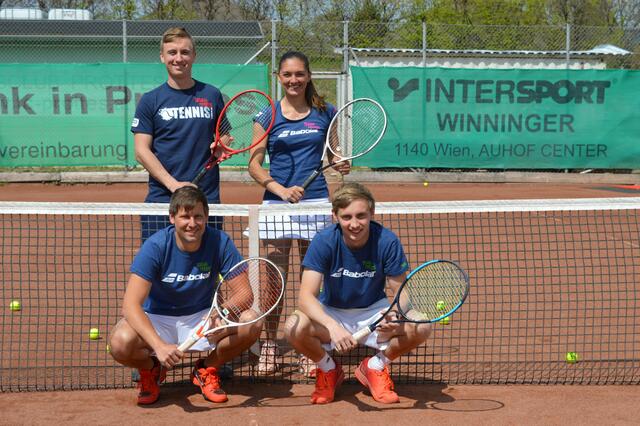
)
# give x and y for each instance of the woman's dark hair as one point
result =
(311, 94)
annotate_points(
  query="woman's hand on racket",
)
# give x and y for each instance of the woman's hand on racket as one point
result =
(343, 167)
(292, 194)
(342, 339)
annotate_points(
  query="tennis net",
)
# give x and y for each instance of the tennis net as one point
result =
(548, 277)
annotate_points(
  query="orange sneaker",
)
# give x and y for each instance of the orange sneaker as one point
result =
(209, 382)
(149, 383)
(326, 385)
(379, 383)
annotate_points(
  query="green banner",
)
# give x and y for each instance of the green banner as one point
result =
(80, 114)
(504, 119)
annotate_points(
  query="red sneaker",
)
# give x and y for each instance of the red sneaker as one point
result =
(326, 385)
(149, 383)
(379, 383)
(209, 382)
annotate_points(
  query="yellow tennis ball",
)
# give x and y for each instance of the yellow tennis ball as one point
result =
(441, 306)
(571, 357)
(15, 305)
(94, 334)
(445, 321)
(426, 184)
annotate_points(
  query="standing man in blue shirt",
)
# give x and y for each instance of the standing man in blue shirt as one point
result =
(169, 292)
(346, 270)
(174, 128)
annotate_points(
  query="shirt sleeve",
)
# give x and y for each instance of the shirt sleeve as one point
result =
(230, 255)
(263, 118)
(146, 264)
(394, 260)
(318, 256)
(143, 119)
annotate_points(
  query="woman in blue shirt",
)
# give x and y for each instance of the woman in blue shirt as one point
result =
(295, 146)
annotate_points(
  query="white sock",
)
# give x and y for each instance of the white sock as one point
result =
(378, 362)
(327, 363)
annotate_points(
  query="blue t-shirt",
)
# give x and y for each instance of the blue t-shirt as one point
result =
(355, 279)
(183, 283)
(182, 124)
(295, 149)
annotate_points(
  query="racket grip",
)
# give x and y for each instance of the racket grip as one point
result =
(361, 334)
(187, 344)
(199, 176)
(310, 179)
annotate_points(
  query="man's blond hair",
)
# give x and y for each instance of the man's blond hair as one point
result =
(174, 33)
(348, 193)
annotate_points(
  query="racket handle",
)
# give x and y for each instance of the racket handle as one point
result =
(310, 179)
(361, 334)
(199, 176)
(187, 344)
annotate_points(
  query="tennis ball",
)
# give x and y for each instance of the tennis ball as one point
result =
(15, 305)
(94, 334)
(441, 306)
(571, 357)
(426, 184)
(445, 321)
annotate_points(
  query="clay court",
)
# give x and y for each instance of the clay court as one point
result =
(286, 402)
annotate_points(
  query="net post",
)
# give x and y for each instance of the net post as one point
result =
(254, 232)
(254, 251)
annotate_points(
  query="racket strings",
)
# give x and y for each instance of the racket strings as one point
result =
(240, 117)
(249, 291)
(433, 291)
(367, 126)
(357, 128)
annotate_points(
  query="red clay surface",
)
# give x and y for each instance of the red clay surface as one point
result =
(287, 404)
(243, 193)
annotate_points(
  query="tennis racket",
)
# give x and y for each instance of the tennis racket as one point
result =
(431, 292)
(355, 130)
(234, 128)
(246, 294)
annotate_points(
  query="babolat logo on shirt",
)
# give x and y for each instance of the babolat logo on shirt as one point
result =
(185, 113)
(287, 133)
(343, 272)
(173, 277)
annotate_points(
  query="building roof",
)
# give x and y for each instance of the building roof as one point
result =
(596, 51)
(134, 29)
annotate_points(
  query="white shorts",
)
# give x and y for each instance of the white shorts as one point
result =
(176, 329)
(284, 226)
(356, 319)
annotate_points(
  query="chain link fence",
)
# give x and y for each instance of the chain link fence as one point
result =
(56, 41)
(332, 46)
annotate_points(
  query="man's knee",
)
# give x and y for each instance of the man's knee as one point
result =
(296, 325)
(422, 331)
(120, 345)
(251, 331)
